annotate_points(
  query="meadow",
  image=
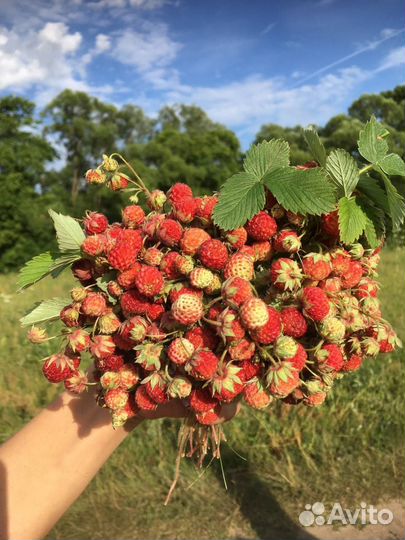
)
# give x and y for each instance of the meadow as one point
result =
(349, 450)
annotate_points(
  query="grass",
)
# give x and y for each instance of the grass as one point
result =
(350, 450)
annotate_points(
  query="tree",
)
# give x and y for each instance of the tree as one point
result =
(299, 150)
(24, 227)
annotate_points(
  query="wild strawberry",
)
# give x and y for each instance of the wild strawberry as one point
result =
(185, 209)
(122, 256)
(205, 208)
(256, 396)
(285, 347)
(95, 223)
(114, 289)
(152, 256)
(155, 333)
(208, 418)
(179, 289)
(353, 276)
(261, 227)
(129, 376)
(299, 360)
(168, 265)
(151, 225)
(202, 338)
(250, 368)
(316, 266)
(94, 305)
(109, 363)
(226, 384)
(287, 241)
(330, 224)
(200, 278)
(184, 264)
(180, 351)
(37, 335)
(170, 232)
(116, 398)
(356, 251)
(213, 254)
(70, 315)
(242, 349)
(286, 275)
(133, 216)
(249, 251)
(215, 286)
(127, 279)
(102, 346)
(93, 245)
(57, 368)
(78, 294)
(236, 290)
(282, 379)
(230, 327)
(118, 182)
(156, 386)
(353, 363)
(187, 309)
(179, 387)
(332, 329)
(254, 313)
(133, 303)
(239, 265)
(192, 240)
(148, 355)
(202, 365)
(95, 176)
(315, 400)
(79, 340)
(149, 281)
(316, 303)
(108, 323)
(77, 382)
(83, 270)
(202, 401)
(366, 287)
(340, 260)
(178, 192)
(143, 399)
(370, 346)
(156, 199)
(237, 238)
(331, 285)
(262, 251)
(271, 330)
(110, 380)
(371, 307)
(294, 323)
(353, 319)
(330, 356)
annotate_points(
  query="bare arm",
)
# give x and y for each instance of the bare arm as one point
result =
(47, 465)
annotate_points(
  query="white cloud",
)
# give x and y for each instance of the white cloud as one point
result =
(58, 34)
(147, 5)
(395, 58)
(146, 50)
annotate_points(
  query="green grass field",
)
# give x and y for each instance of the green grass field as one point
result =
(350, 450)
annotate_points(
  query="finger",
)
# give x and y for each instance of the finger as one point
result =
(172, 409)
(228, 411)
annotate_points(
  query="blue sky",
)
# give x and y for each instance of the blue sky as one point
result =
(245, 62)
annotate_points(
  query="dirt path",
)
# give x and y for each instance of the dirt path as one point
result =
(394, 531)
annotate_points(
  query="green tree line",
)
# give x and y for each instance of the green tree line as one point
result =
(44, 155)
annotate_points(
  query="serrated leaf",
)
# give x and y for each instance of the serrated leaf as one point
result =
(69, 234)
(302, 191)
(374, 215)
(396, 203)
(370, 233)
(343, 170)
(265, 156)
(393, 164)
(43, 265)
(315, 145)
(371, 144)
(352, 220)
(35, 269)
(241, 197)
(370, 187)
(48, 310)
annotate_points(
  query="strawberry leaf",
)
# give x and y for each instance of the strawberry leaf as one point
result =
(372, 146)
(396, 203)
(315, 145)
(241, 197)
(352, 220)
(265, 156)
(343, 171)
(46, 311)
(393, 164)
(69, 234)
(43, 265)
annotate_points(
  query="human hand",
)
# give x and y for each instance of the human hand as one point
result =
(176, 408)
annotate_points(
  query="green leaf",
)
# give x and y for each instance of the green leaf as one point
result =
(302, 191)
(352, 220)
(43, 265)
(35, 269)
(343, 170)
(393, 164)
(241, 197)
(265, 156)
(315, 145)
(371, 144)
(69, 234)
(370, 187)
(102, 283)
(45, 311)
(396, 203)
(374, 215)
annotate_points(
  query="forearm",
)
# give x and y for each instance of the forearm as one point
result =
(50, 462)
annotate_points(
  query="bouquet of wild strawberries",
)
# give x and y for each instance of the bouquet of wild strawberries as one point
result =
(266, 291)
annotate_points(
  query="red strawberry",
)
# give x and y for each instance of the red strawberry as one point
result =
(316, 303)
(261, 227)
(202, 365)
(202, 401)
(294, 323)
